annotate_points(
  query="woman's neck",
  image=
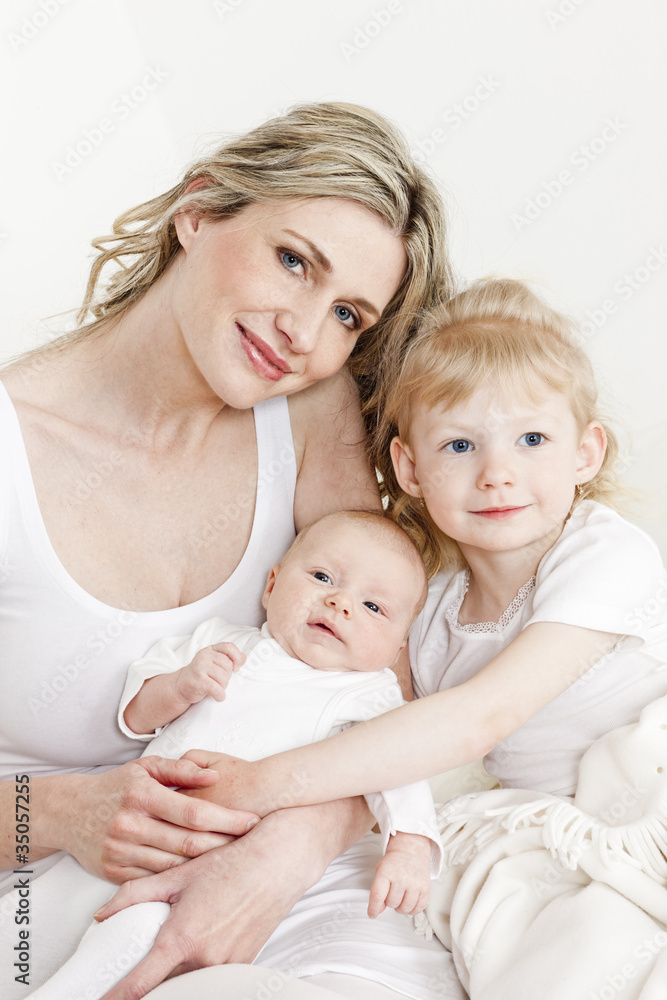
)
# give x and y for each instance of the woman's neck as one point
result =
(135, 372)
(496, 577)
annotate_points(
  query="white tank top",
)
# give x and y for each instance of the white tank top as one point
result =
(65, 654)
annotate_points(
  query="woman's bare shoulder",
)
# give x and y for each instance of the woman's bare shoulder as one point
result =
(331, 450)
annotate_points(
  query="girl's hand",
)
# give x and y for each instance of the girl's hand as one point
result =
(240, 784)
(402, 879)
(125, 823)
(208, 673)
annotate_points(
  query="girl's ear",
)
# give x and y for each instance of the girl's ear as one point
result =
(591, 451)
(187, 220)
(404, 466)
(270, 584)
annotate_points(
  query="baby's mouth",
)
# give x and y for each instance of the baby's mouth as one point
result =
(323, 627)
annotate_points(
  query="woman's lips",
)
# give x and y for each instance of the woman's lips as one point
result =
(499, 513)
(264, 360)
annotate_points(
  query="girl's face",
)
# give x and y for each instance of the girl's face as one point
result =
(274, 298)
(498, 473)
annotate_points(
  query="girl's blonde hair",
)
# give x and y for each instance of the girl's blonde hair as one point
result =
(315, 150)
(499, 333)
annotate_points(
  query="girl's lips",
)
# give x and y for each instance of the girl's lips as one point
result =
(499, 513)
(264, 360)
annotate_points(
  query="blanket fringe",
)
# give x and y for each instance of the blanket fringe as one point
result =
(565, 831)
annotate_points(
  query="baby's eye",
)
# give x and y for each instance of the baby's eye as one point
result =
(347, 317)
(531, 439)
(459, 447)
(322, 577)
(291, 260)
(372, 607)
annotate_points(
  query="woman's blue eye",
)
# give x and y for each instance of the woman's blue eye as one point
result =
(290, 260)
(322, 577)
(372, 607)
(345, 315)
(532, 439)
(459, 447)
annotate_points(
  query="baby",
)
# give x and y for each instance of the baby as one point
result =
(339, 608)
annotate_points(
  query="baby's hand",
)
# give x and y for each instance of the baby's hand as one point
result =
(208, 673)
(402, 879)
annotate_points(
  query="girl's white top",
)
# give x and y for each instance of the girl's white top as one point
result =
(65, 654)
(603, 573)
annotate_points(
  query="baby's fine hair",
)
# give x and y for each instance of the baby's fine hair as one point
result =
(495, 333)
(379, 526)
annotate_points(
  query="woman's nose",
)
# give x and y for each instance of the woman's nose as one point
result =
(302, 326)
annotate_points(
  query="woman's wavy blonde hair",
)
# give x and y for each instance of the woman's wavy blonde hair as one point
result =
(315, 150)
(500, 333)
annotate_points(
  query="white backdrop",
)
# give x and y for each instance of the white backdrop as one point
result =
(544, 120)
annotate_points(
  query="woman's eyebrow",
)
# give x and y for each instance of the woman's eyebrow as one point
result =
(326, 265)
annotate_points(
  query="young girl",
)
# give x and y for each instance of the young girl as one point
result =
(545, 622)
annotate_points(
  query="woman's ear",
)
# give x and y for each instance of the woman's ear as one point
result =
(187, 220)
(270, 584)
(404, 466)
(591, 451)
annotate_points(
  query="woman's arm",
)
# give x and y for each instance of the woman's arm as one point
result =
(121, 824)
(225, 906)
(431, 735)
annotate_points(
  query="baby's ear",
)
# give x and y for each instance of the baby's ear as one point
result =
(404, 466)
(591, 451)
(270, 584)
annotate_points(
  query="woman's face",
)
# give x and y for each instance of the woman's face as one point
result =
(274, 298)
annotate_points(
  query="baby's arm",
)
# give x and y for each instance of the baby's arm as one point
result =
(162, 698)
(177, 672)
(403, 877)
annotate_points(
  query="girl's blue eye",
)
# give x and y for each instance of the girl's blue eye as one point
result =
(532, 439)
(345, 315)
(322, 577)
(372, 607)
(459, 447)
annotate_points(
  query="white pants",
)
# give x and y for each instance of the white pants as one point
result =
(327, 933)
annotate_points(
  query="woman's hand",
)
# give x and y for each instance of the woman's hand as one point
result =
(125, 823)
(226, 904)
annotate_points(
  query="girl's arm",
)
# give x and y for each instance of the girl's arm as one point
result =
(434, 734)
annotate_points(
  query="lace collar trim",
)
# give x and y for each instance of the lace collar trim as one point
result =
(452, 613)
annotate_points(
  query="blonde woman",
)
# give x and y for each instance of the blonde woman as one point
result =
(154, 470)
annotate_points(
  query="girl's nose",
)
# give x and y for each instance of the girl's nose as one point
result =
(495, 471)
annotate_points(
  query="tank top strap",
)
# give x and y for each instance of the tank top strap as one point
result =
(276, 468)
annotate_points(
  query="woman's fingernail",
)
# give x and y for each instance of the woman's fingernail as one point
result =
(251, 823)
(99, 912)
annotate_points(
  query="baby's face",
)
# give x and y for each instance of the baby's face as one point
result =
(343, 599)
